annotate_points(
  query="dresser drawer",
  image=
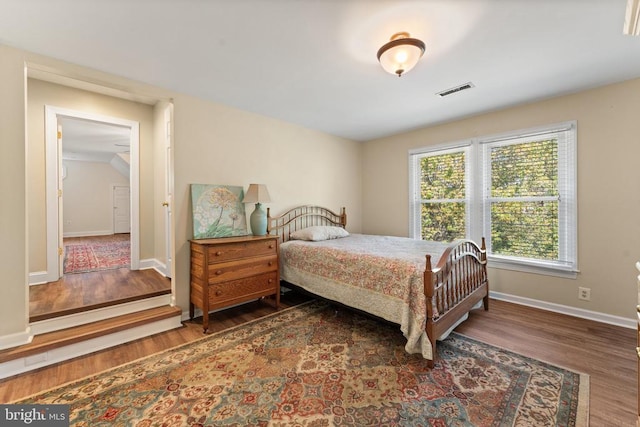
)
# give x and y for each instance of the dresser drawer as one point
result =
(240, 269)
(235, 251)
(232, 270)
(243, 290)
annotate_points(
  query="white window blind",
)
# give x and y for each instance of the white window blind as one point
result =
(529, 197)
(519, 193)
(439, 194)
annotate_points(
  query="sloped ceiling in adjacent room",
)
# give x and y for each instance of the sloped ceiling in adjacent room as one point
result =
(86, 140)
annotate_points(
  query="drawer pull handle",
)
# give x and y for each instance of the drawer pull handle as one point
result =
(271, 281)
(270, 246)
(218, 292)
(218, 253)
(219, 272)
(270, 263)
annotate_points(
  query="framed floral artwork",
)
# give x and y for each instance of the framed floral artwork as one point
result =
(218, 211)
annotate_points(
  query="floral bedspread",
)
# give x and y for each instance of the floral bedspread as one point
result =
(382, 275)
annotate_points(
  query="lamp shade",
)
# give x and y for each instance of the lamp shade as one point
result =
(257, 193)
(401, 54)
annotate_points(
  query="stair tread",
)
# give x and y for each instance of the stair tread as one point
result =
(64, 337)
(50, 314)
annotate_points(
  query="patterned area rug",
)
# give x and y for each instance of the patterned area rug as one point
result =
(316, 365)
(86, 257)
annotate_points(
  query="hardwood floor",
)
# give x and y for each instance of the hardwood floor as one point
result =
(86, 291)
(605, 352)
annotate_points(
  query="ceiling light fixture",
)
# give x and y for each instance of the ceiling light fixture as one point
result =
(632, 18)
(400, 54)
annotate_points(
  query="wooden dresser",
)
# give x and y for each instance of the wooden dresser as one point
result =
(233, 270)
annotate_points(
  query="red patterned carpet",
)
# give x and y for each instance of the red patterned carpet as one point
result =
(97, 253)
(317, 365)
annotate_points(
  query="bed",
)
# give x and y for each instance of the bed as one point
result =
(427, 288)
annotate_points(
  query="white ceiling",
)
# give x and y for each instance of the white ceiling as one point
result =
(313, 62)
(92, 141)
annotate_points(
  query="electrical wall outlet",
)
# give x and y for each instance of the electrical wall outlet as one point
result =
(584, 294)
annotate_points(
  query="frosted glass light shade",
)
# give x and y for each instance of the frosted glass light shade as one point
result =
(632, 18)
(401, 54)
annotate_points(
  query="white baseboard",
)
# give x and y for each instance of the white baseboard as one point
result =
(19, 366)
(542, 305)
(154, 264)
(565, 309)
(40, 277)
(17, 339)
(87, 233)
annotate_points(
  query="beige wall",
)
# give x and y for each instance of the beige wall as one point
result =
(220, 145)
(41, 93)
(13, 223)
(212, 144)
(160, 179)
(215, 144)
(608, 191)
(88, 197)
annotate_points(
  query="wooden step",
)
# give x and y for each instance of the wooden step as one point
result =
(66, 337)
(81, 309)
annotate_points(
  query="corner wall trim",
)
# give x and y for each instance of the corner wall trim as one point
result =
(17, 339)
(38, 278)
(154, 264)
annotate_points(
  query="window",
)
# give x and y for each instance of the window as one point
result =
(441, 195)
(521, 196)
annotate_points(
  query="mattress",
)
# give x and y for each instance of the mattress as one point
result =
(381, 275)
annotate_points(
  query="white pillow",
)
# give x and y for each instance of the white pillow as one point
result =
(318, 233)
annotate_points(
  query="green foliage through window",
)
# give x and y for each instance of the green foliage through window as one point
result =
(524, 200)
(442, 189)
(516, 189)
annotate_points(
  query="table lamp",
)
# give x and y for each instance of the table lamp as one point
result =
(257, 193)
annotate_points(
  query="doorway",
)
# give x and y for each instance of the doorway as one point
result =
(51, 100)
(101, 137)
(92, 197)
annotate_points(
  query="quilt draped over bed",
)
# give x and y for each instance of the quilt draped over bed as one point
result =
(381, 275)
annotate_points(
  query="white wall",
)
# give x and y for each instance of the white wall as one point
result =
(88, 197)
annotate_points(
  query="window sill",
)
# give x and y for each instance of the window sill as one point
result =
(503, 264)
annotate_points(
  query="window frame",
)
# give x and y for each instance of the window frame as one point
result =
(477, 189)
(415, 199)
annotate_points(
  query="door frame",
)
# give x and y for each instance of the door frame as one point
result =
(53, 164)
(168, 202)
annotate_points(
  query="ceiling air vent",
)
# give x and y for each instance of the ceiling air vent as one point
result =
(455, 89)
